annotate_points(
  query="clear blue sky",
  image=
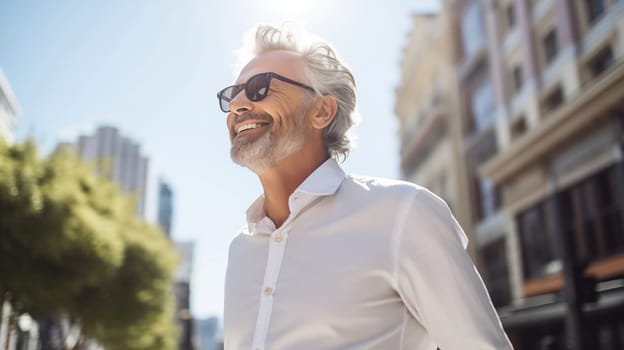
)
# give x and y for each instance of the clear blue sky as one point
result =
(153, 67)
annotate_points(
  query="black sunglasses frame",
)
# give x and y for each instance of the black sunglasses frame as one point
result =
(224, 102)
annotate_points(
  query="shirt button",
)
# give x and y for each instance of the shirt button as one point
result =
(268, 291)
(278, 238)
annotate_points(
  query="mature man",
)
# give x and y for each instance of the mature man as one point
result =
(329, 260)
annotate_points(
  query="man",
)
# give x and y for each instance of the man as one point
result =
(329, 260)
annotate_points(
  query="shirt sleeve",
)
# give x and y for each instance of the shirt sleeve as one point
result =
(437, 280)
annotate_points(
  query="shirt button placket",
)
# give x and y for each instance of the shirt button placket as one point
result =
(276, 255)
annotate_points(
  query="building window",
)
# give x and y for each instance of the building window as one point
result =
(595, 9)
(518, 127)
(482, 103)
(601, 62)
(538, 241)
(518, 80)
(590, 214)
(510, 13)
(539, 336)
(488, 198)
(496, 272)
(473, 37)
(551, 45)
(553, 100)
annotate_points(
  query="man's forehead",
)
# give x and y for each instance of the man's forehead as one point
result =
(286, 63)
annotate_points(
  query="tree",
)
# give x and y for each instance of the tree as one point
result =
(70, 244)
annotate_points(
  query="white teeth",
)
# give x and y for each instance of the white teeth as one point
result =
(248, 126)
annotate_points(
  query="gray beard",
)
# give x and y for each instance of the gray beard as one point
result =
(265, 152)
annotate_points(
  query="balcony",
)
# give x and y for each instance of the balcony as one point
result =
(435, 107)
(424, 136)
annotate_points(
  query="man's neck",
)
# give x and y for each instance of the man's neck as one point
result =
(282, 180)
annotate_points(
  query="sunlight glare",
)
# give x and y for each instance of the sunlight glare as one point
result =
(292, 9)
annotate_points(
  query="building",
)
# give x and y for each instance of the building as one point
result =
(191, 331)
(427, 108)
(182, 289)
(209, 334)
(478, 140)
(165, 206)
(542, 125)
(9, 109)
(11, 332)
(119, 159)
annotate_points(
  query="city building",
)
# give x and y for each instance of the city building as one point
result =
(165, 206)
(9, 109)
(19, 330)
(542, 125)
(427, 108)
(119, 159)
(209, 334)
(191, 330)
(182, 289)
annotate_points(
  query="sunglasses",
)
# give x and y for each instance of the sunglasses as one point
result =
(256, 89)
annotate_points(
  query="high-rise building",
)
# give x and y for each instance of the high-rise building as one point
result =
(182, 280)
(209, 333)
(9, 334)
(542, 134)
(119, 159)
(9, 109)
(183, 275)
(165, 206)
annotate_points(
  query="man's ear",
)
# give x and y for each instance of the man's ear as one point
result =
(325, 111)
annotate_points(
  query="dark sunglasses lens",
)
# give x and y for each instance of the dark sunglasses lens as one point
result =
(227, 95)
(257, 87)
(225, 104)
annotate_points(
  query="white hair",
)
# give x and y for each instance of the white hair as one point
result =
(326, 73)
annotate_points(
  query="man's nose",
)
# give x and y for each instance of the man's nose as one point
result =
(241, 104)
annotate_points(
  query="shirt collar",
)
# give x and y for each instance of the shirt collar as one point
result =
(323, 181)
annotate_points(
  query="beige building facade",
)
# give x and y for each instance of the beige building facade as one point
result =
(426, 106)
(542, 85)
(530, 94)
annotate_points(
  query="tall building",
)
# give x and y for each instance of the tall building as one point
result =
(165, 206)
(9, 109)
(182, 288)
(119, 159)
(542, 133)
(187, 326)
(209, 333)
(10, 335)
(478, 139)
(427, 108)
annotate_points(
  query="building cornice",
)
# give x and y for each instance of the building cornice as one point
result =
(563, 124)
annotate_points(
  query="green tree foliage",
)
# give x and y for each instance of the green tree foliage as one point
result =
(70, 244)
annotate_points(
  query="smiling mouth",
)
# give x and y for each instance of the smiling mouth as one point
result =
(249, 126)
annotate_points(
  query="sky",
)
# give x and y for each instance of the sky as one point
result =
(152, 68)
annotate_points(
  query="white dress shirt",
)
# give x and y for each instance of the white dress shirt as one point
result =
(360, 263)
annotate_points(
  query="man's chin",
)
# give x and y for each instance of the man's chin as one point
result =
(256, 166)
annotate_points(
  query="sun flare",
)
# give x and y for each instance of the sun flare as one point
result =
(291, 8)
